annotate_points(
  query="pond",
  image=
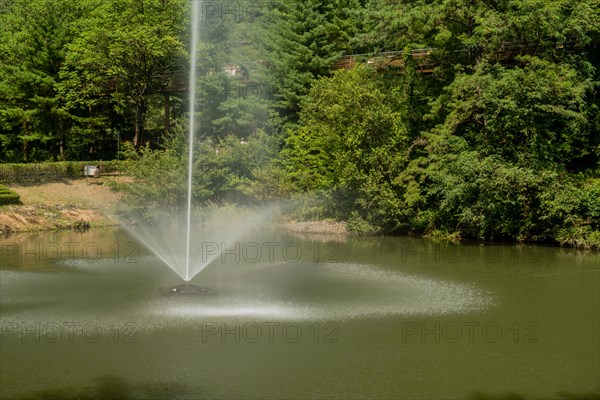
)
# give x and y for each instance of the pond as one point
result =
(288, 316)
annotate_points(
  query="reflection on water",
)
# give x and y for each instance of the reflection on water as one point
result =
(355, 318)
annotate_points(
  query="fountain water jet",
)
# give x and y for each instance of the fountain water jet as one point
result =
(192, 85)
(185, 247)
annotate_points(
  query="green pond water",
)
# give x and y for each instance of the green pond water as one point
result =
(287, 317)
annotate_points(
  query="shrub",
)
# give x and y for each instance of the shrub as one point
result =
(7, 196)
(223, 172)
(358, 225)
(51, 171)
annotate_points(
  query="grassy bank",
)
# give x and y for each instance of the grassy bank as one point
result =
(86, 203)
(70, 204)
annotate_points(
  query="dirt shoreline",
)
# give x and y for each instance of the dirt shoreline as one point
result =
(316, 227)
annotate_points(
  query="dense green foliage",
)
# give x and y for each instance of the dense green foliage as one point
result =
(500, 142)
(224, 170)
(302, 40)
(7, 196)
(75, 74)
(483, 123)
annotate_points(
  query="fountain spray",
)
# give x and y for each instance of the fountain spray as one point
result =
(192, 100)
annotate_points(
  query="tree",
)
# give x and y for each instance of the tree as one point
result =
(34, 36)
(302, 40)
(351, 143)
(125, 49)
(534, 113)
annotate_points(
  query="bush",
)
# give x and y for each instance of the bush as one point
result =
(52, 171)
(7, 196)
(358, 225)
(158, 182)
(467, 194)
(269, 183)
(223, 172)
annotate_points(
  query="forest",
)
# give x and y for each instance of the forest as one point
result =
(465, 119)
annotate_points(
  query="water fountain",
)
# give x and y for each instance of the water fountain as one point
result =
(192, 127)
(183, 244)
(178, 245)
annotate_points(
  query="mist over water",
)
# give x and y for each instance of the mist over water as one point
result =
(245, 291)
(189, 245)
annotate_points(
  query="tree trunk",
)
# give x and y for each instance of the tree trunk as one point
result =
(140, 112)
(62, 147)
(54, 147)
(136, 137)
(167, 114)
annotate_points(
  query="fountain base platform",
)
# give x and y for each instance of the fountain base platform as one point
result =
(186, 289)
